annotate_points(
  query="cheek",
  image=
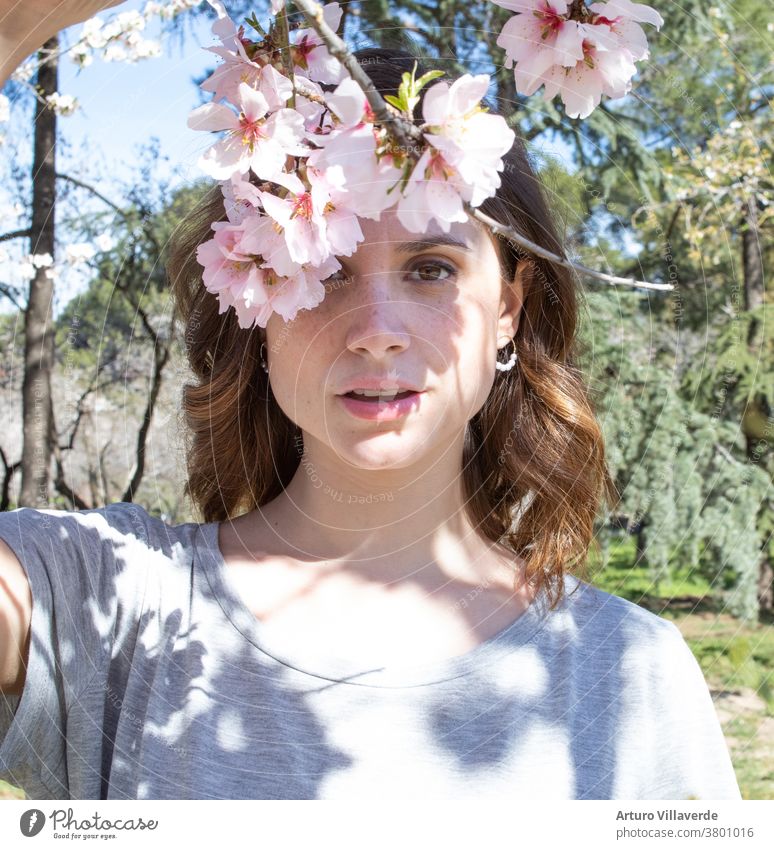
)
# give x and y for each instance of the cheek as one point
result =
(296, 364)
(472, 361)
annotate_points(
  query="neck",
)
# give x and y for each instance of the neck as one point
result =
(392, 522)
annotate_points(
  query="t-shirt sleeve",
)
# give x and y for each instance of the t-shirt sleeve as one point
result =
(74, 565)
(693, 758)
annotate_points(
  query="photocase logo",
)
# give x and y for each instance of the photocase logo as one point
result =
(31, 822)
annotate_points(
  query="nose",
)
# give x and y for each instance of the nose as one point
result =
(376, 321)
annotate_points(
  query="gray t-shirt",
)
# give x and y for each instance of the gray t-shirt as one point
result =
(149, 678)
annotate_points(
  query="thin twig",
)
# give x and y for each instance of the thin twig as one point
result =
(405, 133)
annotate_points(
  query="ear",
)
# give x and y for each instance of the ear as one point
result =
(512, 299)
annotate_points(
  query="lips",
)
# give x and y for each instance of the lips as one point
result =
(372, 398)
(380, 410)
(378, 384)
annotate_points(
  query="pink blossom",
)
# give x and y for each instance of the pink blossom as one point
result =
(312, 111)
(342, 228)
(619, 17)
(580, 87)
(253, 141)
(539, 37)
(256, 292)
(348, 155)
(580, 60)
(240, 198)
(263, 239)
(463, 160)
(302, 291)
(225, 80)
(472, 142)
(312, 55)
(433, 192)
(301, 219)
(231, 275)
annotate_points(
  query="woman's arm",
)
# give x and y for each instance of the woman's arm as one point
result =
(25, 25)
(15, 616)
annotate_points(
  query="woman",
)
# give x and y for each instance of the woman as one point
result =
(385, 596)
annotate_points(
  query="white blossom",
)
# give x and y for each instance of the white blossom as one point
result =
(81, 55)
(62, 104)
(78, 253)
(5, 108)
(26, 270)
(130, 20)
(145, 49)
(104, 241)
(115, 53)
(24, 72)
(41, 260)
(93, 34)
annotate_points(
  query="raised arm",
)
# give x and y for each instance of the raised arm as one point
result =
(15, 618)
(25, 25)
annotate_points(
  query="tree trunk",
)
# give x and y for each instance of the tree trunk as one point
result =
(38, 325)
(752, 258)
(757, 408)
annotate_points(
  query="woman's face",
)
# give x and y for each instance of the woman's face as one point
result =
(431, 316)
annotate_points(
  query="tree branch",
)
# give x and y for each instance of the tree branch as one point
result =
(15, 234)
(9, 470)
(161, 355)
(60, 484)
(406, 134)
(7, 291)
(76, 182)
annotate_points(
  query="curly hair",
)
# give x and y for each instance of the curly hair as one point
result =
(534, 469)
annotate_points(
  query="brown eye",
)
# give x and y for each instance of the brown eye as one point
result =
(426, 267)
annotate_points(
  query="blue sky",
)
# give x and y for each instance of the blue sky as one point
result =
(122, 106)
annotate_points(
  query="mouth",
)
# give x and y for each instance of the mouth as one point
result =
(379, 399)
(379, 407)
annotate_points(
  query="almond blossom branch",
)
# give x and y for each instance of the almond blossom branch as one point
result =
(404, 133)
(401, 130)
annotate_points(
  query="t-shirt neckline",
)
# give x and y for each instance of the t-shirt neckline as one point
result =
(342, 670)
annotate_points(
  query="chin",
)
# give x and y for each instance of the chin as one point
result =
(373, 455)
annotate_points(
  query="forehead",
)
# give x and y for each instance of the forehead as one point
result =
(388, 234)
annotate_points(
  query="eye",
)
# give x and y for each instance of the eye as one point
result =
(423, 267)
(339, 276)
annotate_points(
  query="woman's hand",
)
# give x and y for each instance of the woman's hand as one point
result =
(25, 25)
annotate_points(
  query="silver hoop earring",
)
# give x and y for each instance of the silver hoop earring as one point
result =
(264, 364)
(511, 361)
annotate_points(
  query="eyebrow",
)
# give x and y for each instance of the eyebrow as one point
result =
(432, 241)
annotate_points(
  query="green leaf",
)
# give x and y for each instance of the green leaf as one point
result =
(425, 79)
(390, 98)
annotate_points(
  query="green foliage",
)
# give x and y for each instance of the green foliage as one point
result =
(693, 504)
(734, 371)
(408, 91)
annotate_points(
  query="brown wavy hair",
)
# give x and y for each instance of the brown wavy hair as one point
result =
(534, 469)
